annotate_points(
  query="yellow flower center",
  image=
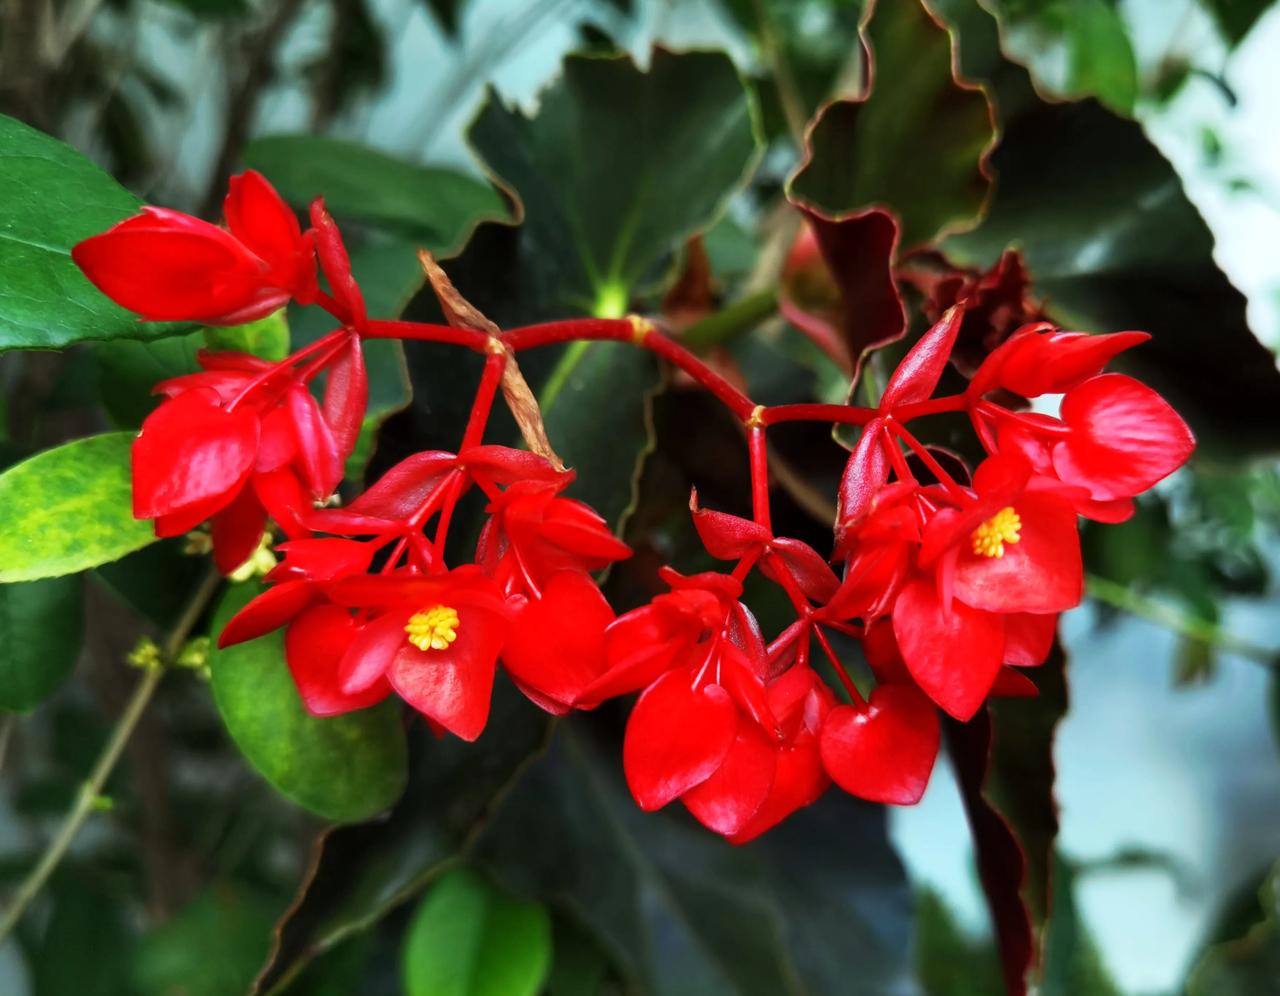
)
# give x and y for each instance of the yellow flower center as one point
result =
(990, 537)
(433, 629)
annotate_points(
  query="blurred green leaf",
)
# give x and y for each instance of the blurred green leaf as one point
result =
(1236, 17)
(156, 580)
(1248, 965)
(69, 508)
(578, 967)
(51, 197)
(468, 938)
(267, 338)
(87, 946)
(608, 196)
(948, 963)
(607, 453)
(1112, 243)
(212, 947)
(1072, 962)
(360, 873)
(434, 207)
(343, 768)
(128, 370)
(916, 144)
(41, 627)
(684, 912)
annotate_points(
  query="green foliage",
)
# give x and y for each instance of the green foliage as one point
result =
(267, 338)
(69, 508)
(51, 197)
(1237, 17)
(342, 768)
(436, 208)
(1248, 964)
(608, 197)
(468, 938)
(916, 144)
(41, 630)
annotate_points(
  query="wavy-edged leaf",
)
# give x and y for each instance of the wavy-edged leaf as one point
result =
(916, 144)
(608, 196)
(343, 768)
(68, 509)
(430, 205)
(51, 197)
(41, 626)
(469, 938)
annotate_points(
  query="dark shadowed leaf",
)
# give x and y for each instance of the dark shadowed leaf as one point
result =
(41, 625)
(915, 145)
(343, 768)
(51, 197)
(1236, 17)
(1246, 964)
(608, 196)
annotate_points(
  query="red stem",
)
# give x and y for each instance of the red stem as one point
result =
(845, 680)
(927, 458)
(759, 476)
(320, 344)
(382, 329)
(494, 364)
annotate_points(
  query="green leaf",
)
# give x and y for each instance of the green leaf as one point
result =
(343, 768)
(88, 921)
(1112, 243)
(608, 196)
(1072, 962)
(468, 938)
(362, 872)
(578, 966)
(683, 912)
(1237, 17)
(607, 453)
(41, 627)
(212, 947)
(51, 197)
(267, 338)
(917, 144)
(1249, 964)
(69, 508)
(128, 370)
(435, 207)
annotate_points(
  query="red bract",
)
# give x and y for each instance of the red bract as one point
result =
(169, 266)
(882, 750)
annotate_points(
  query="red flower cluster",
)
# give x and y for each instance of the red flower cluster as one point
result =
(950, 583)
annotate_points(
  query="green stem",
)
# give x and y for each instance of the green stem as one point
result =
(1171, 618)
(87, 798)
(732, 321)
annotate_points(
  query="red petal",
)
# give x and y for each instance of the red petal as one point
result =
(1042, 572)
(811, 571)
(281, 494)
(556, 643)
(177, 523)
(1124, 437)
(191, 450)
(453, 686)
(322, 559)
(259, 218)
(336, 264)
(505, 465)
(737, 789)
(884, 750)
(277, 443)
(920, 370)
(270, 610)
(1011, 684)
(953, 656)
(346, 396)
(317, 450)
(398, 493)
(676, 737)
(726, 537)
(864, 475)
(1028, 638)
(237, 530)
(368, 657)
(798, 780)
(1055, 363)
(314, 646)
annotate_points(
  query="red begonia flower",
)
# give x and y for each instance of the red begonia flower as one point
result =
(1038, 360)
(314, 647)
(168, 266)
(882, 750)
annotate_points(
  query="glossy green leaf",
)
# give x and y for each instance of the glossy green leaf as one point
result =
(212, 947)
(343, 768)
(435, 207)
(684, 912)
(915, 145)
(51, 197)
(360, 873)
(1070, 177)
(468, 938)
(41, 627)
(69, 508)
(615, 381)
(608, 196)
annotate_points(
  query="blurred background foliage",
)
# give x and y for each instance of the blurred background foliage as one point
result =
(1137, 173)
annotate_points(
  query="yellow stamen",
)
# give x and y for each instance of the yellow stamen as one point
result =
(433, 629)
(990, 537)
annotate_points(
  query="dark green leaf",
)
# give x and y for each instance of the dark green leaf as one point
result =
(211, 948)
(1113, 243)
(948, 962)
(468, 938)
(128, 370)
(609, 195)
(156, 580)
(1072, 963)
(1236, 17)
(435, 207)
(916, 145)
(69, 508)
(51, 197)
(578, 967)
(1248, 963)
(607, 453)
(86, 947)
(41, 625)
(344, 768)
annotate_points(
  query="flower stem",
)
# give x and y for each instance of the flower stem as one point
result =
(87, 798)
